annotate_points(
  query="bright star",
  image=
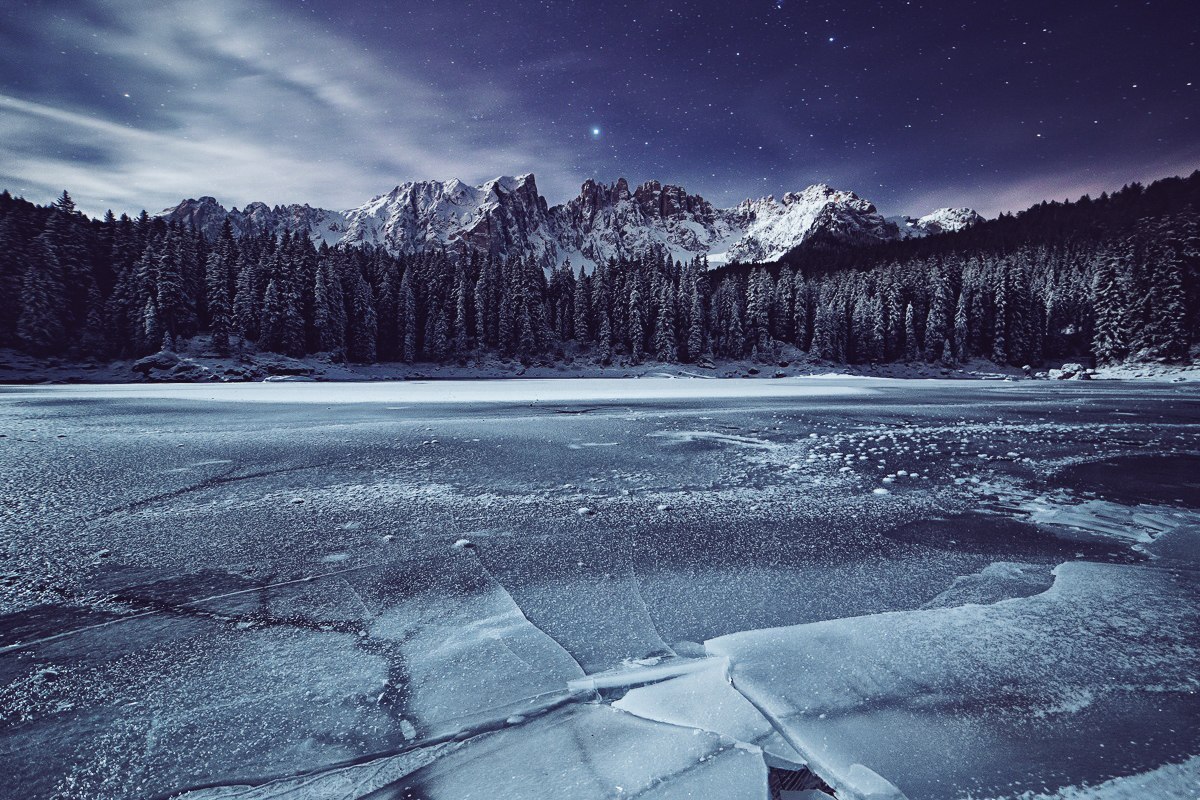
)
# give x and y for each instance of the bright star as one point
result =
(595, 132)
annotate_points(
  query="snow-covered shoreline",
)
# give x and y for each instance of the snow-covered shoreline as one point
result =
(532, 391)
(200, 367)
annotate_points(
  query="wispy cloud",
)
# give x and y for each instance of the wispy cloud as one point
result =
(223, 98)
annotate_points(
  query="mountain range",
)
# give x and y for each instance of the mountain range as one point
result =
(508, 217)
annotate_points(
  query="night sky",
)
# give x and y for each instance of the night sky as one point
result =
(914, 105)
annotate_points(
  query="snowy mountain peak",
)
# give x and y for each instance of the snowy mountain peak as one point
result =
(944, 220)
(947, 220)
(507, 184)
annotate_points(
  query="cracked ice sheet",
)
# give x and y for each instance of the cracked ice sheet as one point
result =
(1094, 679)
(703, 699)
(268, 681)
(469, 653)
(155, 704)
(590, 752)
(342, 783)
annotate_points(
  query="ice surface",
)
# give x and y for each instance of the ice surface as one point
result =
(497, 391)
(998, 581)
(703, 699)
(1093, 679)
(266, 598)
(589, 752)
(1140, 524)
(1172, 782)
(469, 653)
(340, 783)
(155, 704)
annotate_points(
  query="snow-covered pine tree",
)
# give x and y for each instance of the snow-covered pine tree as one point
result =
(696, 317)
(582, 303)
(1000, 325)
(1165, 336)
(962, 335)
(329, 311)
(912, 347)
(1109, 340)
(219, 288)
(247, 306)
(408, 310)
(363, 324)
(462, 308)
(637, 331)
(666, 347)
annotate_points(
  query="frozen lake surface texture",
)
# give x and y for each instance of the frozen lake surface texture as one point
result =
(601, 589)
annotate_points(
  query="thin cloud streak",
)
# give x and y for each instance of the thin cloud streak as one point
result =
(255, 113)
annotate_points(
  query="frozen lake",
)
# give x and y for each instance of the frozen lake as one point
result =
(600, 588)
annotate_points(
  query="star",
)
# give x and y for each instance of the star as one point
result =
(595, 133)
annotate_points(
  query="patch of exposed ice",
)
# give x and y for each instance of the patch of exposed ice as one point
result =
(1137, 525)
(1179, 781)
(683, 437)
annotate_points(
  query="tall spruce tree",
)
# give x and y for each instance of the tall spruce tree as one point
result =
(41, 327)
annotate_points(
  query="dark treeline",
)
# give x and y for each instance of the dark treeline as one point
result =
(1117, 278)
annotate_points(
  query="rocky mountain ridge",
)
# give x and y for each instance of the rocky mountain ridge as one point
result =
(508, 217)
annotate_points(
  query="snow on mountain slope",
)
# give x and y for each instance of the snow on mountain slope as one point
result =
(504, 217)
(606, 222)
(944, 220)
(507, 217)
(775, 227)
(207, 215)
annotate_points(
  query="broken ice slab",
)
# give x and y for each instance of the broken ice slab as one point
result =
(999, 580)
(1137, 525)
(589, 752)
(346, 783)
(269, 680)
(1093, 679)
(698, 695)
(582, 591)
(464, 649)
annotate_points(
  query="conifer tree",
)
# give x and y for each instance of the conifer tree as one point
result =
(912, 348)
(363, 324)
(666, 347)
(462, 311)
(637, 333)
(1000, 326)
(962, 340)
(271, 329)
(582, 305)
(218, 285)
(408, 302)
(696, 339)
(246, 307)
(1109, 343)
(40, 326)
(329, 311)
(605, 338)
